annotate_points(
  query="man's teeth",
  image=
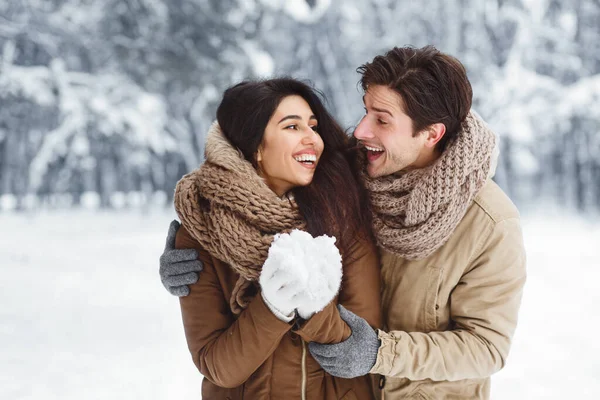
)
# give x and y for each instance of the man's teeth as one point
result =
(306, 157)
(373, 148)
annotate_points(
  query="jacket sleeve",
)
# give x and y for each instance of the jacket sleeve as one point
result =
(484, 310)
(225, 350)
(359, 293)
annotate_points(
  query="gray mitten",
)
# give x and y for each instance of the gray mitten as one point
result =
(354, 356)
(178, 267)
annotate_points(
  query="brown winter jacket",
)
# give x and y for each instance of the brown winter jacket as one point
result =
(256, 355)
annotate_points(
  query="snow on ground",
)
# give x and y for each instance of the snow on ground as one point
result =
(83, 314)
(556, 350)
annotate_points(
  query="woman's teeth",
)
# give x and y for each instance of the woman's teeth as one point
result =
(306, 158)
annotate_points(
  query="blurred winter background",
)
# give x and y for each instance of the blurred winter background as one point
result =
(104, 104)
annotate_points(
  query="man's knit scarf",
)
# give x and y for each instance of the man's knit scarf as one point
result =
(229, 209)
(415, 212)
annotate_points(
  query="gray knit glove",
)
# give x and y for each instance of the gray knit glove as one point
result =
(353, 357)
(178, 267)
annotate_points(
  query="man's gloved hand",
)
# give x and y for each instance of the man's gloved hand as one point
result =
(178, 267)
(353, 357)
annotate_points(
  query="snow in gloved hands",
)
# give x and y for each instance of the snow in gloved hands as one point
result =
(313, 263)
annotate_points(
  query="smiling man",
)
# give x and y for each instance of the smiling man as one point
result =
(387, 134)
(450, 241)
(452, 254)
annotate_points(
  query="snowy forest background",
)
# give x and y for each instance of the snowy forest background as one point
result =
(105, 103)
(103, 107)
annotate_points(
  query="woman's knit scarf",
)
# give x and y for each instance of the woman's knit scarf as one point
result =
(229, 209)
(415, 212)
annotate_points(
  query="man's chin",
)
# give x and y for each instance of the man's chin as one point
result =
(379, 171)
(374, 172)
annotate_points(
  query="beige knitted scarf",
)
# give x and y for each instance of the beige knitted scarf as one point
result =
(415, 212)
(229, 209)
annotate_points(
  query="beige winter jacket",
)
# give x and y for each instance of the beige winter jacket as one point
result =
(449, 318)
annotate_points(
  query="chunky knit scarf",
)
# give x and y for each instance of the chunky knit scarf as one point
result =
(229, 209)
(415, 212)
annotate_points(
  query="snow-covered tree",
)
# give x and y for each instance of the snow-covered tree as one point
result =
(116, 96)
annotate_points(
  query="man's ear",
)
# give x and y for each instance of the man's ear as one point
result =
(435, 133)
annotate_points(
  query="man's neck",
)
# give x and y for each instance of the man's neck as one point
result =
(427, 158)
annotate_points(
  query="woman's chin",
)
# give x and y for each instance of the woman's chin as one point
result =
(305, 181)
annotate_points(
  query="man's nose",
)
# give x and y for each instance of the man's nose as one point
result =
(363, 130)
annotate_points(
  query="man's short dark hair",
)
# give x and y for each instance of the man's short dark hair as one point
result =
(433, 86)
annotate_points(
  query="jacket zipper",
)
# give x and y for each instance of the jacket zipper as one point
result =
(303, 390)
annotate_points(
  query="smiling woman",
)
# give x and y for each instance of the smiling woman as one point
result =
(291, 147)
(276, 162)
(279, 123)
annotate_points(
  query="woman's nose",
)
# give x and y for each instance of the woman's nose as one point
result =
(310, 136)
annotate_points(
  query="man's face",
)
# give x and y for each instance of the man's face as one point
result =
(387, 133)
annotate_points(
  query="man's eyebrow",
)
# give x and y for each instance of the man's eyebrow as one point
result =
(381, 110)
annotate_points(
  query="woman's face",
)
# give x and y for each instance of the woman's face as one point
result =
(291, 147)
